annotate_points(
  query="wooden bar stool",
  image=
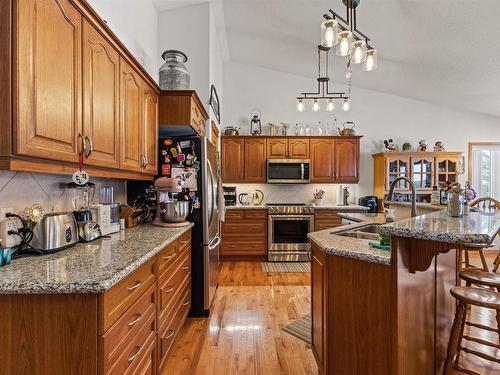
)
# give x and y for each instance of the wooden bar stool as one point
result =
(496, 263)
(477, 297)
(482, 278)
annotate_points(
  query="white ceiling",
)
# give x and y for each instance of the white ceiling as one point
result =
(443, 51)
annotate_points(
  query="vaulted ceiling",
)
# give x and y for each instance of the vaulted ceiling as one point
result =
(438, 51)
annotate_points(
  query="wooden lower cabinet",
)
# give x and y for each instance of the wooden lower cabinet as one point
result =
(128, 330)
(244, 233)
(326, 219)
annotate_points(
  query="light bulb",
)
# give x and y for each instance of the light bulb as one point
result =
(330, 106)
(315, 107)
(346, 105)
(329, 36)
(344, 45)
(358, 51)
(300, 106)
(370, 61)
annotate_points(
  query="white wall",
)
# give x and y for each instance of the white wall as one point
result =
(377, 116)
(136, 25)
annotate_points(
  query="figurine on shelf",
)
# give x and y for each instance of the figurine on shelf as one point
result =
(422, 145)
(389, 145)
(407, 146)
(439, 146)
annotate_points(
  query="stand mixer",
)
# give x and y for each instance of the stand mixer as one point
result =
(170, 212)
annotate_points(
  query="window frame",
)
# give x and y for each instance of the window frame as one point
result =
(469, 157)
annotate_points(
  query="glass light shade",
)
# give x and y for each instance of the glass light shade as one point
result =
(370, 60)
(330, 107)
(358, 52)
(315, 106)
(344, 45)
(329, 33)
(300, 106)
(346, 105)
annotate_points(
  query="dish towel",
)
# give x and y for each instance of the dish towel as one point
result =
(221, 203)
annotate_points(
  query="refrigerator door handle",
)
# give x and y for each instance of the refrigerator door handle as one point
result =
(217, 243)
(212, 209)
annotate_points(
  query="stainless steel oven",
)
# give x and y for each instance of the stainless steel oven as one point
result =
(287, 234)
(288, 171)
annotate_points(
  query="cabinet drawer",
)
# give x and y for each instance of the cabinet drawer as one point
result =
(147, 362)
(255, 214)
(167, 257)
(170, 284)
(118, 299)
(168, 332)
(243, 247)
(326, 214)
(244, 229)
(184, 241)
(234, 215)
(127, 327)
(326, 224)
(137, 346)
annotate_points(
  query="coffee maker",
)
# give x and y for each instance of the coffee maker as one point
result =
(80, 197)
(171, 208)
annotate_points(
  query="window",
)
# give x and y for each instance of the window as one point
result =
(484, 168)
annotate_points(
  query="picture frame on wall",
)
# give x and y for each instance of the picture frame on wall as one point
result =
(214, 103)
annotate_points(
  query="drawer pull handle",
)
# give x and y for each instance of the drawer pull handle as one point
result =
(133, 322)
(134, 287)
(138, 350)
(170, 334)
(186, 303)
(168, 257)
(185, 268)
(184, 242)
(169, 289)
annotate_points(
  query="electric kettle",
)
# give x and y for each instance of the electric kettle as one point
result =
(245, 199)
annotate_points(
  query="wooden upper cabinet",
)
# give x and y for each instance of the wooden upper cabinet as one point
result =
(298, 148)
(322, 160)
(182, 107)
(131, 119)
(277, 148)
(346, 160)
(255, 160)
(47, 79)
(101, 99)
(232, 159)
(150, 135)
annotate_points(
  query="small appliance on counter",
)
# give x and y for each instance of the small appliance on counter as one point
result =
(371, 202)
(106, 198)
(88, 230)
(230, 195)
(55, 232)
(172, 210)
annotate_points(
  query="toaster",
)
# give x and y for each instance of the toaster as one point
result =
(56, 231)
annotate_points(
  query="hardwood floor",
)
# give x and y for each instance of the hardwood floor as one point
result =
(243, 334)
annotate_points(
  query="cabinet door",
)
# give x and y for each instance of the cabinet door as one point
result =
(150, 135)
(322, 160)
(422, 173)
(397, 167)
(319, 307)
(446, 170)
(48, 80)
(255, 160)
(298, 148)
(101, 85)
(131, 120)
(277, 148)
(346, 160)
(233, 159)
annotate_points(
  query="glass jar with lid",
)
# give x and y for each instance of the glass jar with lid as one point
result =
(173, 73)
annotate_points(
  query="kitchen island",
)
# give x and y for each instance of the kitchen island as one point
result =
(389, 312)
(112, 306)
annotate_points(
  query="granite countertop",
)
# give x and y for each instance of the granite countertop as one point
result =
(428, 206)
(349, 247)
(93, 267)
(365, 217)
(475, 228)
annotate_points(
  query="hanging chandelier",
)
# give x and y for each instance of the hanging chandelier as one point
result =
(343, 35)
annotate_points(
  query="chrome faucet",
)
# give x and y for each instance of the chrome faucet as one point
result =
(413, 193)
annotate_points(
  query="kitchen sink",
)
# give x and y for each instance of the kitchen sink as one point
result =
(365, 232)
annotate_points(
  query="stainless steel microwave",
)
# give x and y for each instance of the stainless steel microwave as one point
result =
(288, 171)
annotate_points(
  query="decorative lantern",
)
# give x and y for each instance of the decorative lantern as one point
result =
(255, 124)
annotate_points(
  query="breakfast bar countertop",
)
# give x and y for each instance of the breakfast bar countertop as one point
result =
(474, 228)
(92, 267)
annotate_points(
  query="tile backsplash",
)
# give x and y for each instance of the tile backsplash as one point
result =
(296, 193)
(20, 189)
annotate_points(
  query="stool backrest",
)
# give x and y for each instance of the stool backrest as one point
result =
(485, 203)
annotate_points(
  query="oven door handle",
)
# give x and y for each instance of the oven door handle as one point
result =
(301, 171)
(291, 217)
